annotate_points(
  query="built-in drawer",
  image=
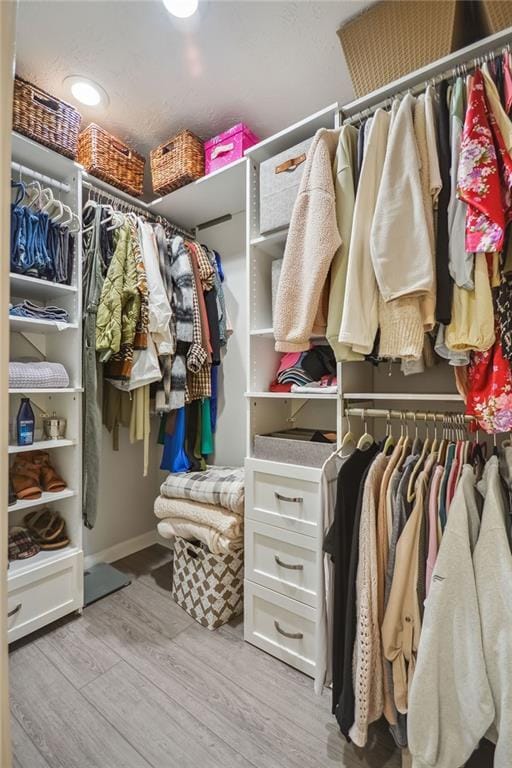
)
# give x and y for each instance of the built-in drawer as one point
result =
(283, 627)
(283, 496)
(39, 596)
(281, 560)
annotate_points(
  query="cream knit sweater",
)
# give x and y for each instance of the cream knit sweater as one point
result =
(313, 239)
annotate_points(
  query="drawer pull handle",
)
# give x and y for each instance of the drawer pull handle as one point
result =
(291, 635)
(296, 567)
(14, 611)
(292, 499)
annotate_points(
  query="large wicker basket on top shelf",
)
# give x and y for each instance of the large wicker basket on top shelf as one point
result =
(109, 159)
(391, 38)
(497, 15)
(45, 119)
(177, 162)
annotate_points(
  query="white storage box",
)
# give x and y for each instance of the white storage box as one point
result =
(208, 587)
(279, 183)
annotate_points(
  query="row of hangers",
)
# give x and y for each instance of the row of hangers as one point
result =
(41, 200)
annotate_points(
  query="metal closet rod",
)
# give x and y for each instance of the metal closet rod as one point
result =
(381, 413)
(142, 209)
(466, 60)
(25, 171)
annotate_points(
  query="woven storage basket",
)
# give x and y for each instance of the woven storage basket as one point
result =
(391, 38)
(45, 119)
(177, 162)
(208, 587)
(106, 157)
(497, 15)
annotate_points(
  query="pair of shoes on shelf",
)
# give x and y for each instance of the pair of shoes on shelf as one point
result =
(32, 473)
(47, 528)
(21, 544)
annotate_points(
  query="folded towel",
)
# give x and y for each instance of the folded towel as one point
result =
(217, 544)
(37, 375)
(222, 486)
(216, 518)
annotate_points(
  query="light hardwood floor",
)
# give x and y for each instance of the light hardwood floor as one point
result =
(136, 683)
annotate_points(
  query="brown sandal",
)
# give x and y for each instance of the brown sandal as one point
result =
(25, 478)
(48, 529)
(50, 480)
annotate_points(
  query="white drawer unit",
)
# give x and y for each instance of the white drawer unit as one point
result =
(37, 596)
(283, 627)
(283, 495)
(282, 561)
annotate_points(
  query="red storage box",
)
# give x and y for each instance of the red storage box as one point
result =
(227, 147)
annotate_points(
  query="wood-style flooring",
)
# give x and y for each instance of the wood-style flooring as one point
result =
(136, 683)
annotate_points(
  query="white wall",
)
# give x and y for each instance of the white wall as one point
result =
(228, 239)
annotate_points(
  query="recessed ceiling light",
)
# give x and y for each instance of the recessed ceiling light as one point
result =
(181, 8)
(86, 91)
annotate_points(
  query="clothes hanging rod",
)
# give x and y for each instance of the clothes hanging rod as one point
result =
(442, 69)
(140, 207)
(381, 413)
(41, 177)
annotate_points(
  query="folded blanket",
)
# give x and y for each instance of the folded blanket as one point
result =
(34, 375)
(216, 518)
(217, 544)
(222, 486)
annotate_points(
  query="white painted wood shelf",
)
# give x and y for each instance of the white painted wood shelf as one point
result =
(409, 396)
(43, 558)
(35, 288)
(44, 390)
(42, 445)
(45, 498)
(291, 396)
(219, 194)
(32, 325)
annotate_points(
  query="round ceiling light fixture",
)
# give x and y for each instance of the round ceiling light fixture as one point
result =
(181, 8)
(86, 91)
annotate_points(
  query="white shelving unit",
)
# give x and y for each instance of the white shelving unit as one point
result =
(44, 588)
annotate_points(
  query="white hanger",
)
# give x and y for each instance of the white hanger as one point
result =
(366, 440)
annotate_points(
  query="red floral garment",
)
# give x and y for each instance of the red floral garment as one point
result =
(489, 398)
(478, 178)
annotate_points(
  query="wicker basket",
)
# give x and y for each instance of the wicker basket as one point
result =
(497, 15)
(106, 157)
(391, 39)
(45, 119)
(177, 162)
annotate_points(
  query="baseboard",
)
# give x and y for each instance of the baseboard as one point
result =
(125, 548)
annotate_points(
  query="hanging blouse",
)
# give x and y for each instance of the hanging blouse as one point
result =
(472, 325)
(478, 177)
(490, 390)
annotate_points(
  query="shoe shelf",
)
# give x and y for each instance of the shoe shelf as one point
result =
(42, 445)
(45, 498)
(43, 558)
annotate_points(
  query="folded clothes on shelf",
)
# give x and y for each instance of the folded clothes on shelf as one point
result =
(328, 385)
(301, 369)
(28, 309)
(37, 375)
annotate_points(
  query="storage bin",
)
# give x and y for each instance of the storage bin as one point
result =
(177, 162)
(111, 160)
(293, 446)
(208, 587)
(496, 15)
(45, 119)
(279, 183)
(391, 38)
(228, 147)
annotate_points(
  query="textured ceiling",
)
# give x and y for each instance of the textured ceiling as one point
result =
(266, 63)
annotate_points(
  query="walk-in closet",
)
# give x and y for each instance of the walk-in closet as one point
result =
(256, 360)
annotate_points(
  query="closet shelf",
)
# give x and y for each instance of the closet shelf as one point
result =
(44, 390)
(211, 197)
(413, 396)
(264, 333)
(293, 135)
(41, 445)
(35, 288)
(45, 498)
(39, 158)
(44, 557)
(271, 245)
(290, 396)
(31, 325)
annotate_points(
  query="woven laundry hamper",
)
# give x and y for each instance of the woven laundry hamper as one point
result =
(391, 38)
(497, 15)
(208, 587)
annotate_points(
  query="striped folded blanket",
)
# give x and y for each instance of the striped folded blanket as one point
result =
(37, 375)
(220, 486)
